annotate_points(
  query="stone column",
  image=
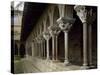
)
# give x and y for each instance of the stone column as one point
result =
(82, 14)
(87, 17)
(26, 48)
(90, 45)
(66, 61)
(54, 31)
(37, 47)
(18, 49)
(65, 24)
(33, 47)
(41, 44)
(47, 36)
(44, 49)
(91, 18)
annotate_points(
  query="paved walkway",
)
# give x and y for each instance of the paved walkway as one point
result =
(40, 65)
(36, 65)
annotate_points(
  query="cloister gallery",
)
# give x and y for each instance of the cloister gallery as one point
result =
(57, 37)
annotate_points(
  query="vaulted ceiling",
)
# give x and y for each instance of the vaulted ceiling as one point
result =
(31, 14)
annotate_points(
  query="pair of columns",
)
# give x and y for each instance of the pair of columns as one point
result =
(65, 24)
(87, 17)
(53, 32)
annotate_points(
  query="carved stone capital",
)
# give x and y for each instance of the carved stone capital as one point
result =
(81, 12)
(54, 30)
(41, 37)
(85, 14)
(36, 39)
(65, 23)
(46, 35)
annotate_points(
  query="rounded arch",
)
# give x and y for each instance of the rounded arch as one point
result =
(56, 14)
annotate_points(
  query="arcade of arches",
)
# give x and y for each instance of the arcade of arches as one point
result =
(64, 37)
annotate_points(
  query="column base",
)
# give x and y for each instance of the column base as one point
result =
(67, 63)
(84, 67)
(47, 58)
(91, 66)
(55, 61)
(26, 56)
(43, 58)
(18, 55)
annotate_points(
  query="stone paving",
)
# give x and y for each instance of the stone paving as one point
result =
(33, 65)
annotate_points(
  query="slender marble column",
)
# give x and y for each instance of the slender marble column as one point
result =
(36, 48)
(32, 48)
(44, 49)
(47, 49)
(90, 46)
(54, 48)
(41, 48)
(92, 17)
(56, 39)
(47, 36)
(39, 45)
(85, 61)
(65, 24)
(66, 48)
(18, 50)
